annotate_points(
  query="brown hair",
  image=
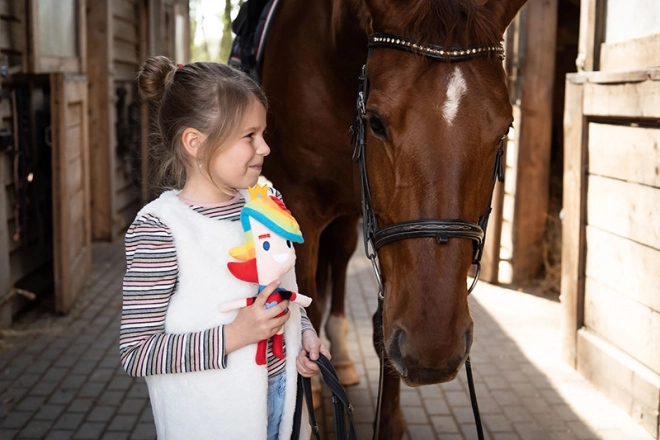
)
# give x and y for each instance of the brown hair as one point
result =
(209, 97)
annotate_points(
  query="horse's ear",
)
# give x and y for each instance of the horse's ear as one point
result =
(504, 11)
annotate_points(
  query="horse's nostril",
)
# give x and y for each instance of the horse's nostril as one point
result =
(468, 340)
(396, 350)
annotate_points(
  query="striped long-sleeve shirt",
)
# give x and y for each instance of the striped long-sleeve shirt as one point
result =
(150, 280)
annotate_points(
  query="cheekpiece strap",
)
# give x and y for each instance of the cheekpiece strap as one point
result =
(432, 51)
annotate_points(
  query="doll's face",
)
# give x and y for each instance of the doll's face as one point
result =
(275, 254)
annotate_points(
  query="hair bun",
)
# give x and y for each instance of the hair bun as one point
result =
(154, 76)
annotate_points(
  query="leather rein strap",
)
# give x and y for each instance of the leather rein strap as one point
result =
(441, 229)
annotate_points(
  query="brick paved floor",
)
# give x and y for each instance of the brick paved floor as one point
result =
(60, 377)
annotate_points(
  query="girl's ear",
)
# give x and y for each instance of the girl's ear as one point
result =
(192, 141)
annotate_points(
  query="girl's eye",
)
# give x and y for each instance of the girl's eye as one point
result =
(251, 135)
(288, 243)
(266, 245)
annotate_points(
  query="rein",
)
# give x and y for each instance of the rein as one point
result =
(441, 229)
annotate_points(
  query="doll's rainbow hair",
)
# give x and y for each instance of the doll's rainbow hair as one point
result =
(272, 213)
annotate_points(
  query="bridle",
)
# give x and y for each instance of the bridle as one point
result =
(441, 229)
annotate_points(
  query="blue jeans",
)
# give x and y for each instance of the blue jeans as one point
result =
(276, 387)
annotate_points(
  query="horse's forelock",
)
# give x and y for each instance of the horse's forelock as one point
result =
(440, 22)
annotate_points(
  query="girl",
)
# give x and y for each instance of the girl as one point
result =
(198, 361)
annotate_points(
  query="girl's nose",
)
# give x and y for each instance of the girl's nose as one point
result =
(263, 149)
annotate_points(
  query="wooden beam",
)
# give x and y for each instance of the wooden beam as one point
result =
(573, 227)
(100, 120)
(592, 31)
(627, 153)
(5, 282)
(535, 139)
(638, 100)
(627, 382)
(637, 53)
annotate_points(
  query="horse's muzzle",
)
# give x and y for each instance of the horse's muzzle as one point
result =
(418, 370)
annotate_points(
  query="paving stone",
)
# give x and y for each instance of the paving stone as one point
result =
(30, 403)
(101, 414)
(444, 424)
(27, 379)
(43, 389)
(144, 431)
(91, 390)
(113, 398)
(35, 429)
(497, 423)
(115, 436)
(147, 415)
(410, 398)
(73, 382)
(6, 433)
(457, 398)
(469, 432)
(49, 412)
(121, 383)
(122, 422)
(81, 405)
(59, 435)
(464, 414)
(16, 420)
(517, 413)
(506, 436)
(436, 406)
(69, 421)
(420, 432)
(414, 414)
(131, 406)
(62, 397)
(89, 430)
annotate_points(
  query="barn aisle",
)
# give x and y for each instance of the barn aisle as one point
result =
(60, 377)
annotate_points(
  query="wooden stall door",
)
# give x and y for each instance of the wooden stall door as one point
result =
(71, 193)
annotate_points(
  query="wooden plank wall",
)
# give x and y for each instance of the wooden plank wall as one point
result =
(101, 122)
(117, 50)
(26, 255)
(13, 33)
(535, 139)
(12, 50)
(12, 44)
(71, 216)
(611, 259)
(127, 55)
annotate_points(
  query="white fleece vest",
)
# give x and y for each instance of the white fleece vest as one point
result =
(215, 404)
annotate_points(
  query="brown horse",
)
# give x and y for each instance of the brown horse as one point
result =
(432, 131)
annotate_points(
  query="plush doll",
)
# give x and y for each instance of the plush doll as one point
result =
(268, 254)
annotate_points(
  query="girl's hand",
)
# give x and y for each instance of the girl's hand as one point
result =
(312, 345)
(256, 323)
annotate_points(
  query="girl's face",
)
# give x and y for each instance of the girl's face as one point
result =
(239, 164)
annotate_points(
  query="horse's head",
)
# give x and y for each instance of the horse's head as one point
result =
(433, 130)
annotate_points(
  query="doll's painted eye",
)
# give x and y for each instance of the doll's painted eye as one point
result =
(266, 245)
(288, 243)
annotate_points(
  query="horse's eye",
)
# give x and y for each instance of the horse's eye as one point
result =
(377, 126)
(288, 244)
(266, 245)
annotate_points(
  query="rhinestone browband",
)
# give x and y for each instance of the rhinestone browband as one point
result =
(432, 51)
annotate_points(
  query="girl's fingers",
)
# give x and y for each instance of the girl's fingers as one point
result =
(279, 308)
(263, 295)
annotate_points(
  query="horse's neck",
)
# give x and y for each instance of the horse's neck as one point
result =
(346, 29)
(326, 27)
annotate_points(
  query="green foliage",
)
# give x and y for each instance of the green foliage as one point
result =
(209, 43)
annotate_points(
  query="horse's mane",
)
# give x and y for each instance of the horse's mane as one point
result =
(440, 22)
